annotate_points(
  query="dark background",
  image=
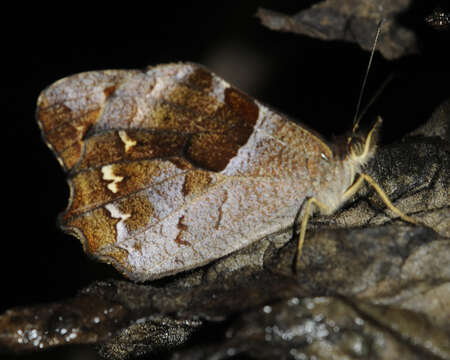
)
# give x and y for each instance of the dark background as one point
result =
(316, 82)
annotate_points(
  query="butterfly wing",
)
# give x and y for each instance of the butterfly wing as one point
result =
(171, 167)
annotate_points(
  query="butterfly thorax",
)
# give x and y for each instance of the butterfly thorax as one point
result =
(350, 154)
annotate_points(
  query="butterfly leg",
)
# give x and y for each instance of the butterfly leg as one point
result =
(304, 223)
(358, 183)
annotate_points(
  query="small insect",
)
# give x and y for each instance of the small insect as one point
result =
(439, 19)
(171, 168)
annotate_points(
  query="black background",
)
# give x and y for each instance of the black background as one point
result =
(314, 81)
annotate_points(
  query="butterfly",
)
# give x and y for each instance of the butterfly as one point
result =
(171, 167)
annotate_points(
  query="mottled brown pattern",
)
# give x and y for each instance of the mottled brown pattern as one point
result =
(165, 116)
(106, 148)
(51, 117)
(63, 136)
(156, 145)
(182, 227)
(140, 210)
(71, 155)
(65, 116)
(239, 115)
(196, 182)
(194, 102)
(90, 191)
(98, 227)
(91, 188)
(180, 163)
(242, 105)
(102, 149)
(200, 79)
(221, 148)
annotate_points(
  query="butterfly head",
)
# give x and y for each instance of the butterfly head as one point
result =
(361, 147)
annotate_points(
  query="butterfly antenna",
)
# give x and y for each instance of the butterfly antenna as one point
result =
(373, 99)
(358, 105)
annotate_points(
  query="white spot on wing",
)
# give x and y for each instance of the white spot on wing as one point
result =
(218, 88)
(115, 213)
(183, 71)
(166, 77)
(108, 174)
(127, 141)
(121, 229)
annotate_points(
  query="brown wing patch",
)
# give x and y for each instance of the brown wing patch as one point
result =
(200, 79)
(66, 139)
(214, 150)
(99, 186)
(140, 211)
(196, 182)
(109, 90)
(109, 147)
(222, 147)
(98, 229)
(194, 97)
(182, 228)
(67, 109)
(51, 117)
(243, 106)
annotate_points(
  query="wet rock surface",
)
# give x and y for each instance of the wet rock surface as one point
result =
(321, 328)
